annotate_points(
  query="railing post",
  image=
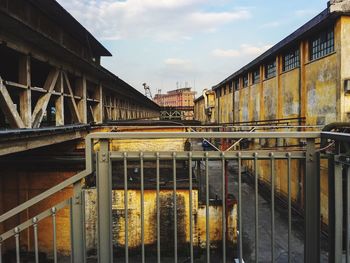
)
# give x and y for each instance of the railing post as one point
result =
(312, 204)
(335, 210)
(104, 199)
(77, 224)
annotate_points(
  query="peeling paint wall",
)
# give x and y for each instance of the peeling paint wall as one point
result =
(166, 219)
(321, 88)
(290, 93)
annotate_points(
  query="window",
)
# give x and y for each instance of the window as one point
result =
(256, 76)
(291, 60)
(236, 84)
(270, 70)
(245, 81)
(224, 91)
(230, 87)
(322, 44)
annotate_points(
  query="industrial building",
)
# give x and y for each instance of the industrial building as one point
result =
(304, 76)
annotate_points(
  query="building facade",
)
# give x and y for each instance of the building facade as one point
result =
(176, 98)
(305, 76)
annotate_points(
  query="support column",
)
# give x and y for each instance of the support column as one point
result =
(77, 207)
(59, 103)
(312, 204)
(335, 210)
(98, 108)
(104, 199)
(82, 93)
(25, 100)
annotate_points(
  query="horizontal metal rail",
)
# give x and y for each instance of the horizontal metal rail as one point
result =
(198, 135)
(213, 155)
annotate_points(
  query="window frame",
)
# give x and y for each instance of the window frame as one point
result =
(322, 44)
(291, 59)
(256, 77)
(245, 80)
(270, 69)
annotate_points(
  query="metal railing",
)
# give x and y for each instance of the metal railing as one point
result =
(100, 162)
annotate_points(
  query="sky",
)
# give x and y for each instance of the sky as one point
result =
(171, 44)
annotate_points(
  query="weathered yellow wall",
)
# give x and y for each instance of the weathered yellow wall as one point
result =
(345, 66)
(290, 82)
(321, 88)
(254, 102)
(244, 105)
(199, 110)
(166, 219)
(270, 94)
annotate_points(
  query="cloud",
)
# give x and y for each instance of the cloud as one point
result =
(244, 50)
(155, 19)
(271, 24)
(177, 61)
(305, 13)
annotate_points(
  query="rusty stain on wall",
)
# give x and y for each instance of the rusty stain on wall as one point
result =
(166, 216)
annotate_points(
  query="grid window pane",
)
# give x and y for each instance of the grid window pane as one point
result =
(256, 76)
(291, 60)
(322, 44)
(236, 84)
(270, 70)
(245, 81)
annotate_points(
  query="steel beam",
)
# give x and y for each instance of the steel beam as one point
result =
(104, 200)
(77, 209)
(312, 204)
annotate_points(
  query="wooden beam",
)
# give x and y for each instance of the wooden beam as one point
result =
(25, 100)
(9, 108)
(82, 103)
(71, 101)
(59, 103)
(41, 105)
(28, 143)
(98, 107)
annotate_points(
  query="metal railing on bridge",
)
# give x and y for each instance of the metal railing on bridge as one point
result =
(101, 157)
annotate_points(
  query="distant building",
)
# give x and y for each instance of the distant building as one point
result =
(176, 98)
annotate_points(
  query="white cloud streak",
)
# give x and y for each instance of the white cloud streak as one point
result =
(155, 19)
(244, 50)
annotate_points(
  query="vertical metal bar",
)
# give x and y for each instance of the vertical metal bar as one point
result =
(240, 241)
(312, 204)
(338, 211)
(18, 258)
(104, 199)
(158, 210)
(142, 210)
(223, 164)
(348, 214)
(0, 250)
(289, 207)
(36, 249)
(77, 225)
(126, 208)
(272, 179)
(256, 183)
(175, 207)
(207, 226)
(53, 211)
(191, 205)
